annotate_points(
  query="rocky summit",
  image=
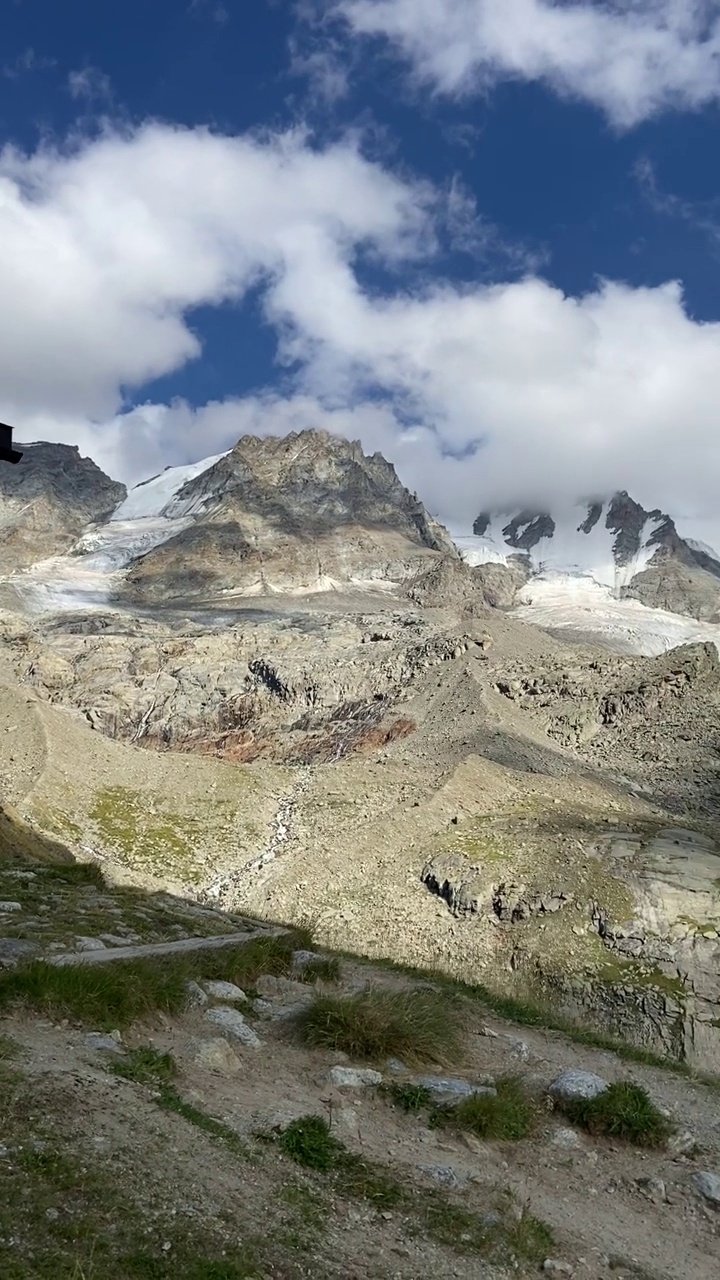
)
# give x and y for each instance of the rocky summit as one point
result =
(269, 689)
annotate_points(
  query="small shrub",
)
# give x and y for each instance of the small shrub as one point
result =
(324, 969)
(417, 1026)
(309, 1142)
(147, 1066)
(508, 1116)
(409, 1097)
(624, 1111)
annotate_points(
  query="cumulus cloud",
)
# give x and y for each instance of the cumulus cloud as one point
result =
(630, 58)
(104, 251)
(481, 394)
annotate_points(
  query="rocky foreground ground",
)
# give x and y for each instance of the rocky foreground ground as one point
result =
(176, 1120)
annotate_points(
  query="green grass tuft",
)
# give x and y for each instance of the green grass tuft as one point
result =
(509, 1116)
(266, 954)
(624, 1111)
(309, 1142)
(105, 995)
(75, 873)
(121, 992)
(147, 1066)
(417, 1026)
(408, 1097)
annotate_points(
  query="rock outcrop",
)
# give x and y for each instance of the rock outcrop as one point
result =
(47, 500)
(305, 513)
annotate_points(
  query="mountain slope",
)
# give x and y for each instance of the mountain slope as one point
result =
(605, 569)
(305, 513)
(616, 543)
(48, 499)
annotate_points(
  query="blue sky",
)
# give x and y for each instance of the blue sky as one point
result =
(481, 235)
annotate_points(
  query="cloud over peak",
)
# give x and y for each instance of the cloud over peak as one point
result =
(480, 393)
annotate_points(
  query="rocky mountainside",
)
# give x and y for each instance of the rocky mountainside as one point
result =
(306, 513)
(332, 706)
(47, 500)
(615, 544)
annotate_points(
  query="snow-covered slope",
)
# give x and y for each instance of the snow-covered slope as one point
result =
(583, 540)
(586, 561)
(151, 498)
(580, 606)
(86, 578)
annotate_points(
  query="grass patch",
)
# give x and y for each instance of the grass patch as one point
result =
(123, 991)
(147, 1066)
(509, 1116)
(624, 1111)
(170, 1100)
(244, 965)
(75, 873)
(529, 1014)
(416, 1026)
(104, 995)
(410, 1098)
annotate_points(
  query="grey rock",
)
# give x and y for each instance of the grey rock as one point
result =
(195, 993)
(264, 1007)
(89, 944)
(444, 1175)
(13, 950)
(8, 907)
(448, 1090)
(553, 1267)
(568, 1139)
(233, 1023)
(708, 1184)
(101, 1043)
(117, 940)
(654, 1188)
(301, 959)
(571, 1085)
(521, 1050)
(217, 1055)
(682, 1144)
(344, 1122)
(396, 1066)
(354, 1078)
(224, 991)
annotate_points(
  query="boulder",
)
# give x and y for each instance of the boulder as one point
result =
(573, 1086)
(233, 1024)
(217, 1055)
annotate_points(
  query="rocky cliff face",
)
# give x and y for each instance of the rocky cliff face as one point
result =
(47, 500)
(305, 513)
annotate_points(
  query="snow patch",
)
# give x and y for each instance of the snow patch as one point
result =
(151, 497)
(568, 603)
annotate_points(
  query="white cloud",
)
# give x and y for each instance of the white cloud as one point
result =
(104, 253)
(630, 58)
